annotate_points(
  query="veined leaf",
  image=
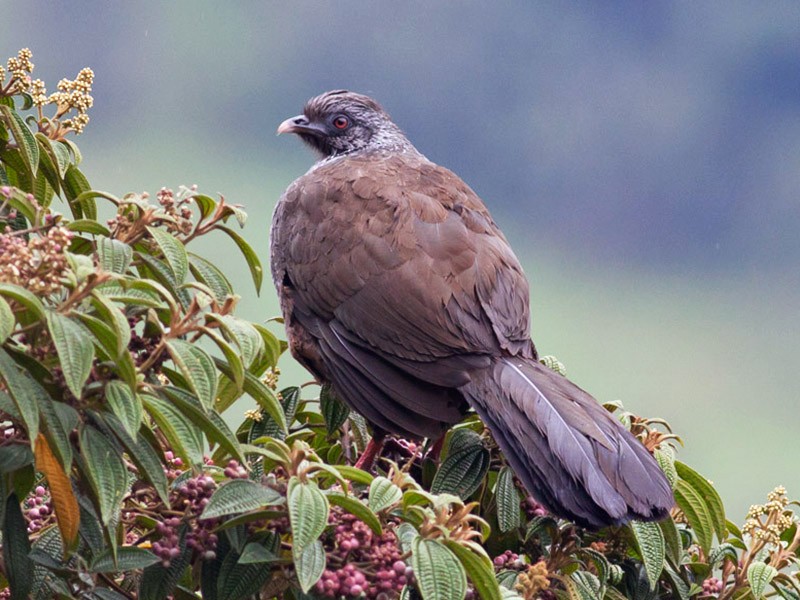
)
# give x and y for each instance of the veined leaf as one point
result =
(706, 491)
(208, 273)
(309, 563)
(61, 494)
(129, 558)
(23, 297)
(665, 456)
(22, 387)
(183, 435)
(115, 256)
(308, 512)
(173, 251)
(333, 409)
(243, 334)
(106, 470)
(7, 320)
(75, 350)
(697, 513)
(264, 396)
(355, 475)
(29, 149)
(126, 405)
(652, 549)
(209, 422)
(383, 494)
(158, 582)
(465, 466)
(238, 580)
(88, 226)
(233, 358)
(16, 550)
(505, 493)
(75, 184)
(358, 509)
(198, 369)
(440, 575)
(131, 291)
(759, 575)
(256, 270)
(48, 161)
(479, 569)
(238, 496)
(114, 318)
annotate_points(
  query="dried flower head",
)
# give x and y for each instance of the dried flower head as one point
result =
(39, 263)
(533, 582)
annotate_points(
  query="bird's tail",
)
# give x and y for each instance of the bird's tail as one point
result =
(568, 451)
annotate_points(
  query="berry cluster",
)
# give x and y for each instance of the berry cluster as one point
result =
(177, 207)
(174, 465)
(37, 263)
(712, 586)
(38, 509)
(533, 509)
(142, 347)
(370, 566)
(509, 560)
(190, 497)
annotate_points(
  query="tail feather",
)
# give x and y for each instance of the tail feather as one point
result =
(569, 452)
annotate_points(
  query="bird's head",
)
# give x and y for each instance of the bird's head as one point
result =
(342, 122)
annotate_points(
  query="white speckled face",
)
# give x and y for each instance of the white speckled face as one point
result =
(341, 123)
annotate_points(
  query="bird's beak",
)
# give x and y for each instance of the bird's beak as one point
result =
(299, 124)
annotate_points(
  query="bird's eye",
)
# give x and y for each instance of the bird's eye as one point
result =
(341, 122)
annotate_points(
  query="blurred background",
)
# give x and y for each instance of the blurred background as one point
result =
(642, 157)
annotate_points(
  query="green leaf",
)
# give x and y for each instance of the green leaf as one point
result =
(507, 501)
(7, 320)
(665, 457)
(129, 558)
(697, 513)
(24, 298)
(440, 575)
(256, 270)
(652, 549)
(333, 409)
(75, 184)
(114, 318)
(208, 273)
(309, 563)
(147, 461)
(706, 491)
(255, 552)
(197, 367)
(63, 159)
(583, 585)
(107, 473)
(209, 422)
(17, 564)
(238, 496)
(240, 580)
(206, 204)
(243, 334)
(479, 569)
(308, 512)
(173, 251)
(88, 226)
(759, 575)
(48, 161)
(383, 494)
(672, 540)
(75, 350)
(114, 256)
(126, 405)
(131, 291)
(22, 387)
(14, 457)
(467, 462)
(358, 509)
(355, 475)
(184, 437)
(29, 149)
(256, 388)
(233, 358)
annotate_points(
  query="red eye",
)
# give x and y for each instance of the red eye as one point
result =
(341, 122)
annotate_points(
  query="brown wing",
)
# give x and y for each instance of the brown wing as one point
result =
(395, 282)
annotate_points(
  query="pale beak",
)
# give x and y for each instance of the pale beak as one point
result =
(300, 124)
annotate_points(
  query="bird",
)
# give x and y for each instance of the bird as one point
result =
(398, 290)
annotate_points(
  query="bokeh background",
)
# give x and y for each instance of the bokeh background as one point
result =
(642, 157)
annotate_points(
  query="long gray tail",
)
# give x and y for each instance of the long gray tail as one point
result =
(568, 451)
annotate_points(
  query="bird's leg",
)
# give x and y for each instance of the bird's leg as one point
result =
(366, 461)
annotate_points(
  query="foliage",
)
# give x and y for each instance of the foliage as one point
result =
(119, 478)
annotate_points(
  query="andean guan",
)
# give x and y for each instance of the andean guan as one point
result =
(399, 290)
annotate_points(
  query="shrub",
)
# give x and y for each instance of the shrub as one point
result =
(119, 477)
